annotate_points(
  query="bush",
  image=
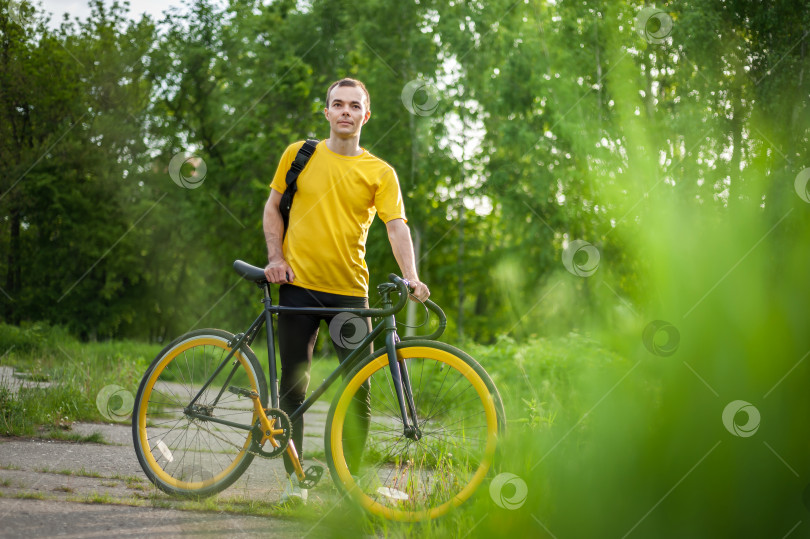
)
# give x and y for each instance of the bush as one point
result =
(32, 337)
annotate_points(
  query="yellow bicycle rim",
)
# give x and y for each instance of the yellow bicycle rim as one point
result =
(336, 442)
(142, 410)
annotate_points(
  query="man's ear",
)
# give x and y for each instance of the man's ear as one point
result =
(366, 117)
(326, 112)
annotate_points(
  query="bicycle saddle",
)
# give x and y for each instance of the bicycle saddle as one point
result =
(251, 273)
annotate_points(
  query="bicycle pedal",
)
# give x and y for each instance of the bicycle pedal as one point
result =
(243, 392)
(312, 475)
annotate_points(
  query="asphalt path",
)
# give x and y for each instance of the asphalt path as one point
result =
(47, 518)
(70, 489)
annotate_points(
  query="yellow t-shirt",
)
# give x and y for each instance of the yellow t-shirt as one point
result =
(331, 213)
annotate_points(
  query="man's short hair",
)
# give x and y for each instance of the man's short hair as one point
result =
(353, 83)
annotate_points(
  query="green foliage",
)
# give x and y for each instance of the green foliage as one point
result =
(69, 169)
(551, 124)
(32, 338)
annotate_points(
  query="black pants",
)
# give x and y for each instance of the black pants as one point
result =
(297, 335)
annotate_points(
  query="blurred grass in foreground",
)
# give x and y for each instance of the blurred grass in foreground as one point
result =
(639, 446)
(632, 442)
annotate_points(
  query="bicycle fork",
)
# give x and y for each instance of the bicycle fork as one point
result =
(402, 382)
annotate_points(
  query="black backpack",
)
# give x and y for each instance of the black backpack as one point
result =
(298, 164)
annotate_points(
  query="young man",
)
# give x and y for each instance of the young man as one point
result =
(321, 260)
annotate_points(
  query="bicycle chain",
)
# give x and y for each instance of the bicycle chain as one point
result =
(257, 425)
(313, 473)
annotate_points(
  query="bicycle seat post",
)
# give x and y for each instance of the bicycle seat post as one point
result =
(271, 349)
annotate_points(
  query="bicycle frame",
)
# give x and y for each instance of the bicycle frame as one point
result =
(398, 369)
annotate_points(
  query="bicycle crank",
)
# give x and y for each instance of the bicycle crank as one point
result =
(278, 435)
(273, 425)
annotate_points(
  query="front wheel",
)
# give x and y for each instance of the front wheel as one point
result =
(459, 415)
(194, 456)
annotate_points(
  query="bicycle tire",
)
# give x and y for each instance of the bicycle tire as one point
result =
(189, 457)
(408, 480)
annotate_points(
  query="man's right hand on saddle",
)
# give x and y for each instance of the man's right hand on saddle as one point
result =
(278, 271)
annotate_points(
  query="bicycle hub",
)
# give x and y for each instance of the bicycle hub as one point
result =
(413, 433)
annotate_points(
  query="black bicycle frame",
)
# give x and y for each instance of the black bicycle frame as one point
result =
(398, 369)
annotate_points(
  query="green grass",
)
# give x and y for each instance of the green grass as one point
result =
(128, 478)
(56, 434)
(77, 473)
(95, 497)
(30, 496)
(76, 371)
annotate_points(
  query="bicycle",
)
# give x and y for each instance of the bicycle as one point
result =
(201, 413)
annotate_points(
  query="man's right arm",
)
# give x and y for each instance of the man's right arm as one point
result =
(277, 269)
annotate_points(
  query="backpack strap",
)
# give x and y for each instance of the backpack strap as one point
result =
(298, 164)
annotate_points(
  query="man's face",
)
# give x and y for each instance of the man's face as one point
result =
(347, 111)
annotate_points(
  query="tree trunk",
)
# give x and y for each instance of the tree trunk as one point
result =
(410, 315)
(735, 178)
(13, 271)
(598, 69)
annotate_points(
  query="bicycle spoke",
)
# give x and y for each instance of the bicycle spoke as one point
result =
(440, 389)
(456, 403)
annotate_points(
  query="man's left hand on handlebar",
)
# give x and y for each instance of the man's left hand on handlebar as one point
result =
(420, 290)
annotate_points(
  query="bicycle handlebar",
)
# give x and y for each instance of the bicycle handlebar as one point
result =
(402, 283)
(402, 287)
(256, 275)
(442, 324)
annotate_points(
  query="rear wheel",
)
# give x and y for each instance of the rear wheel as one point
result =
(189, 456)
(459, 415)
